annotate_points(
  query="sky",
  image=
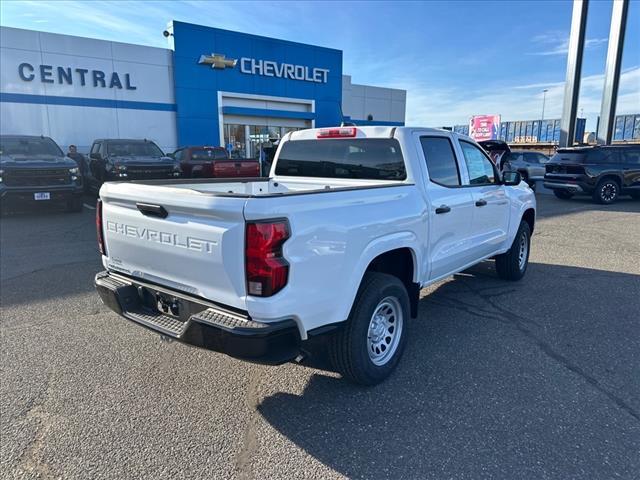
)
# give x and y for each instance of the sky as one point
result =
(455, 58)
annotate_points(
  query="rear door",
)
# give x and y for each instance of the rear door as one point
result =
(491, 205)
(179, 238)
(631, 167)
(451, 207)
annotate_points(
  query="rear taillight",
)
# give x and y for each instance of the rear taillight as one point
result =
(340, 132)
(99, 232)
(266, 270)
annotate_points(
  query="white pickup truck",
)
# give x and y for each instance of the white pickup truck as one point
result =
(332, 248)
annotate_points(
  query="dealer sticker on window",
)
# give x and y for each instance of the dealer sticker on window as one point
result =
(42, 196)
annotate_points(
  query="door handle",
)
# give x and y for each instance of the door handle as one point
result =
(443, 209)
(481, 203)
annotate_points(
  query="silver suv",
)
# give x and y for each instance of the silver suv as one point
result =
(531, 165)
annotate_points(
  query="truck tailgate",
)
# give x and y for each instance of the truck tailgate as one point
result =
(197, 248)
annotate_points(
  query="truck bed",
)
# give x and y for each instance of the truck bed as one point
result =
(248, 187)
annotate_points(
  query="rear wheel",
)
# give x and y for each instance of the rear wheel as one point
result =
(512, 265)
(606, 191)
(563, 194)
(371, 343)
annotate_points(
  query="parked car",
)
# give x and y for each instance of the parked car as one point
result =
(213, 162)
(333, 250)
(531, 165)
(604, 172)
(34, 170)
(121, 160)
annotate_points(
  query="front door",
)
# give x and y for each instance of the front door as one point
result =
(490, 223)
(451, 208)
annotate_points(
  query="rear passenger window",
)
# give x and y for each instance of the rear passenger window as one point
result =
(441, 161)
(631, 157)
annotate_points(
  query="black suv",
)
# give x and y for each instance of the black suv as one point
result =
(604, 172)
(33, 170)
(120, 160)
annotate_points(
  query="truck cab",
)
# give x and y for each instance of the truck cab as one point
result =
(33, 171)
(128, 159)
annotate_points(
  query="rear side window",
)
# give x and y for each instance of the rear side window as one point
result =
(631, 157)
(441, 161)
(366, 158)
(601, 155)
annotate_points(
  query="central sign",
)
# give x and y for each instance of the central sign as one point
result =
(267, 68)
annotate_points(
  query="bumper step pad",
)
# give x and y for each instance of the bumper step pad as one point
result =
(211, 328)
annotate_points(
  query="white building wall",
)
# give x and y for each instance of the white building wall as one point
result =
(150, 71)
(383, 104)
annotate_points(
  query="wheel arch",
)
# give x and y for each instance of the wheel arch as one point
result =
(401, 262)
(529, 216)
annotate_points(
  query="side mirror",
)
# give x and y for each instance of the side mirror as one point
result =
(170, 155)
(95, 156)
(511, 178)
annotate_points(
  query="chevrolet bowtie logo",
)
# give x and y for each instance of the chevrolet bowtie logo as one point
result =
(217, 61)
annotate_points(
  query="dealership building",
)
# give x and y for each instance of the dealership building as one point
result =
(210, 87)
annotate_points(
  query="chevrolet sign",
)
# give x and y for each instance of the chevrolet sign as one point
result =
(267, 68)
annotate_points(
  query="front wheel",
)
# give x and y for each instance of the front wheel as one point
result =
(512, 265)
(371, 342)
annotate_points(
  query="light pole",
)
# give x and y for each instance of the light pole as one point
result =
(544, 98)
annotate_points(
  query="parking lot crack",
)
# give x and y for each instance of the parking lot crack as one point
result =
(519, 322)
(249, 439)
(30, 460)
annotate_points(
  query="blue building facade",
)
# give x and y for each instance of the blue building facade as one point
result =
(242, 91)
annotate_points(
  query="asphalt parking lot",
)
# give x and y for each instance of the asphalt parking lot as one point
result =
(535, 379)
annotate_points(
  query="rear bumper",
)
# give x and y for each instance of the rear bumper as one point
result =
(199, 323)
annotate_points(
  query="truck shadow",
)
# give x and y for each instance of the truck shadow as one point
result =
(498, 378)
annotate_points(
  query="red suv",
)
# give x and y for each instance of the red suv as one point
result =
(210, 162)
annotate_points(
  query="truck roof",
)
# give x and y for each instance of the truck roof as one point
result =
(26, 137)
(367, 132)
(130, 140)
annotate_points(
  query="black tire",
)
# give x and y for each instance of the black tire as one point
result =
(74, 205)
(606, 192)
(563, 194)
(508, 264)
(349, 347)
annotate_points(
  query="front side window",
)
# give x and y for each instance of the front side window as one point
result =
(441, 161)
(364, 158)
(480, 168)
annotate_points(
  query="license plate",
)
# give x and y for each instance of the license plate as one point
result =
(42, 196)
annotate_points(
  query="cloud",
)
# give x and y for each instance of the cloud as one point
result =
(436, 107)
(557, 43)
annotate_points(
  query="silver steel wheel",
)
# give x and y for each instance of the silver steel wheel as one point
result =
(609, 191)
(385, 331)
(523, 250)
